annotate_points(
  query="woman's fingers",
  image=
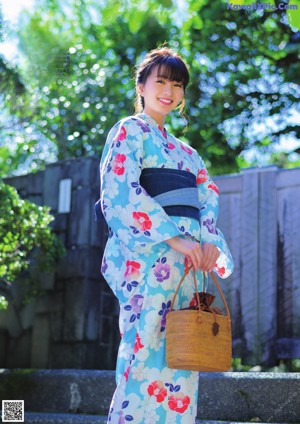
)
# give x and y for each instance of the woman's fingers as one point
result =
(195, 255)
(191, 249)
(201, 257)
(210, 256)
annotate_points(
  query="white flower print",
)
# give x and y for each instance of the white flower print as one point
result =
(112, 190)
(139, 372)
(150, 161)
(125, 351)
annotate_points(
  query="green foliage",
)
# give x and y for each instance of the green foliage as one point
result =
(286, 365)
(241, 69)
(25, 236)
(76, 79)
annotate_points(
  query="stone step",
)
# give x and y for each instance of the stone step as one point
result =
(231, 397)
(47, 418)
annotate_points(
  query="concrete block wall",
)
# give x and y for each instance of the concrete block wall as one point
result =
(74, 324)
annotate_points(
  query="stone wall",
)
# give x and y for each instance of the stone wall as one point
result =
(74, 324)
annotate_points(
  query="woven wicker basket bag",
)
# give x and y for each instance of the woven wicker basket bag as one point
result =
(198, 340)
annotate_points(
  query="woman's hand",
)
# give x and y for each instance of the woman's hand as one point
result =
(210, 256)
(201, 257)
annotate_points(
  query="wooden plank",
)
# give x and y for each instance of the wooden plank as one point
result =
(288, 348)
(228, 183)
(291, 244)
(267, 268)
(285, 200)
(230, 224)
(295, 262)
(288, 178)
(249, 267)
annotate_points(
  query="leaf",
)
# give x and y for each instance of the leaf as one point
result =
(136, 20)
(293, 13)
(128, 308)
(125, 404)
(111, 12)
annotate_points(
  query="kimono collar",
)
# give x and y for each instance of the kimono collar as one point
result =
(151, 121)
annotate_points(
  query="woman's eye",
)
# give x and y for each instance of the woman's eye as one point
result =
(179, 84)
(160, 81)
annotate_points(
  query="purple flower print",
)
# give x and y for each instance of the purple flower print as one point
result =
(162, 271)
(136, 302)
(180, 165)
(104, 265)
(165, 307)
(145, 127)
(210, 225)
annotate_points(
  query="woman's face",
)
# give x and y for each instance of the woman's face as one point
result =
(161, 95)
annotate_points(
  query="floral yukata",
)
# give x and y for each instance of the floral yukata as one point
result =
(143, 271)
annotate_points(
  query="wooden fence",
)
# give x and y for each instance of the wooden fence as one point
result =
(75, 324)
(259, 213)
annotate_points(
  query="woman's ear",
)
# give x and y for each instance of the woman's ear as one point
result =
(140, 89)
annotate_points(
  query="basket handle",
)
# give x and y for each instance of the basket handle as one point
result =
(197, 294)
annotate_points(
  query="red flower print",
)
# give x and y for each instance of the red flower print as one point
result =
(202, 176)
(117, 164)
(132, 269)
(171, 146)
(186, 149)
(162, 131)
(178, 402)
(213, 187)
(126, 373)
(220, 271)
(138, 345)
(142, 221)
(121, 134)
(157, 389)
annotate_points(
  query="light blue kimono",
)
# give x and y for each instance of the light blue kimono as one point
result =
(143, 271)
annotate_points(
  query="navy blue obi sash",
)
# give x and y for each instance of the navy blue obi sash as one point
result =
(175, 190)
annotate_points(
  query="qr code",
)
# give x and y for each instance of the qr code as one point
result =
(12, 411)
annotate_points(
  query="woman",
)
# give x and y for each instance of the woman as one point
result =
(161, 208)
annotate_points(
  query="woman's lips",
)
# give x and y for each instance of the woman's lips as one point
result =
(165, 101)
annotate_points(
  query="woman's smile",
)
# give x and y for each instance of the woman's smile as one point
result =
(165, 101)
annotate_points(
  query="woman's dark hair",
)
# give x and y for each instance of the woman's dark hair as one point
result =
(170, 66)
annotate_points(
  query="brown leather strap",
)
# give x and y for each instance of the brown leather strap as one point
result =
(196, 289)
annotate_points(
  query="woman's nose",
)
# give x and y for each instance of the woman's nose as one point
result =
(168, 88)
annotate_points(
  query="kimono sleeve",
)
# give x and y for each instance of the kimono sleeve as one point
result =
(209, 209)
(134, 216)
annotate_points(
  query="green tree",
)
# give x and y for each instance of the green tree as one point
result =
(78, 77)
(246, 74)
(25, 237)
